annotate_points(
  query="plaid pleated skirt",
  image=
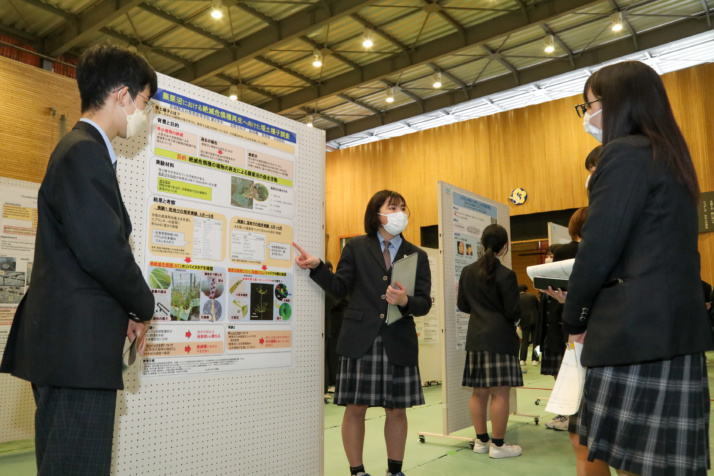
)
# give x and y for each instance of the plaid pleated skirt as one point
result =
(487, 369)
(550, 362)
(649, 419)
(374, 381)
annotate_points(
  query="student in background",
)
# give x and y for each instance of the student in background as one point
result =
(634, 297)
(591, 163)
(489, 292)
(529, 320)
(378, 362)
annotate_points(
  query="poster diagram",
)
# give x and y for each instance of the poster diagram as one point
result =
(18, 227)
(221, 200)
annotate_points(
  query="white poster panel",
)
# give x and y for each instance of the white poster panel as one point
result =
(558, 234)
(462, 217)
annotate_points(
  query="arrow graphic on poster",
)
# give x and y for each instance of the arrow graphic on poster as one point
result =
(262, 341)
(188, 334)
(188, 349)
(188, 259)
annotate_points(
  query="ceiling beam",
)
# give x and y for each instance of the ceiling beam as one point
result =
(270, 38)
(69, 17)
(435, 7)
(557, 66)
(255, 13)
(184, 24)
(431, 51)
(705, 6)
(361, 104)
(249, 87)
(625, 22)
(340, 124)
(87, 24)
(315, 45)
(144, 46)
(279, 67)
(419, 101)
(499, 57)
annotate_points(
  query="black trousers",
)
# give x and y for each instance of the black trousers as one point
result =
(74, 429)
(527, 333)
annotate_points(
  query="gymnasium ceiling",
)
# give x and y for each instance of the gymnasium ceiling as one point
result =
(266, 48)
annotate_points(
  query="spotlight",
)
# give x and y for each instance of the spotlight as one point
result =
(367, 38)
(549, 44)
(617, 21)
(317, 59)
(390, 95)
(437, 80)
(309, 121)
(233, 92)
(217, 10)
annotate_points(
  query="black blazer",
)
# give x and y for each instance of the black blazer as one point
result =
(529, 310)
(70, 328)
(641, 229)
(494, 307)
(361, 272)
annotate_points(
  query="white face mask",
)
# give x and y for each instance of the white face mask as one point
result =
(590, 129)
(135, 121)
(396, 222)
(587, 182)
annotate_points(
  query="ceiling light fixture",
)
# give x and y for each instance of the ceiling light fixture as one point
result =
(233, 92)
(217, 10)
(617, 21)
(310, 121)
(390, 95)
(317, 59)
(437, 80)
(367, 38)
(549, 44)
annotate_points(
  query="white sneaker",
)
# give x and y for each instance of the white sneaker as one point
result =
(523, 362)
(562, 424)
(481, 447)
(535, 362)
(505, 451)
(551, 423)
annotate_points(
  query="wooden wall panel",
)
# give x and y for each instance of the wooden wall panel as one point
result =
(541, 148)
(28, 132)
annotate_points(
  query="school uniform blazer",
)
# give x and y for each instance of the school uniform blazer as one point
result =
(362, 274)
(494, 307)
(635, 285)
(69, 330)
(529, 310)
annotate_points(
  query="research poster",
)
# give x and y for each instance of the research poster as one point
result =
(221, 202)
(18, 227)
(470, 216)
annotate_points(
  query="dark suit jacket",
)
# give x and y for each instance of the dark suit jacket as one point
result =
(361, 272)
(642, 229)
(70, 328)
(529, 310)
(494, 307)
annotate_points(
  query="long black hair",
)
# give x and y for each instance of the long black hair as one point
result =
(493, 239)
(634, 101)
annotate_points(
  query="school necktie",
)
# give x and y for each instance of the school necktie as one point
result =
(387, 256)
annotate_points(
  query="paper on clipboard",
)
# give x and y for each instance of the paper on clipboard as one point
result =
(404, 272)
(568, 389)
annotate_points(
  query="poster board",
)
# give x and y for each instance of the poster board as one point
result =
(558, 234)
(462, 217)
(18, 226)
(429, 327)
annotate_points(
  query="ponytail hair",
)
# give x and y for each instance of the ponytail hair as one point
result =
(493, 239)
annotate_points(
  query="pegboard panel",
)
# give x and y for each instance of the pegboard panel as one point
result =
(16, 400)
(456, 398)
(257, 422)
